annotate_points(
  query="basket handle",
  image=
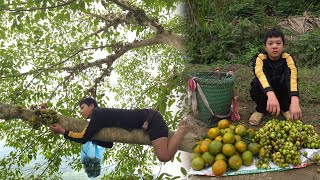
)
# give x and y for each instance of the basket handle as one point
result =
(235, 116)
(204, 99)
(222, 74)
(192, 95)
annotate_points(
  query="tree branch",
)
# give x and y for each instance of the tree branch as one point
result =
(166, 37)
(107, 18)
(51, 67)
(40, 8)
(139, 15)
(66, 79)
(115, 22)
(93, 90)
(111, 134)
(172, 39)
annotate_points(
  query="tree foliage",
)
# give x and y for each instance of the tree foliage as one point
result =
(60, 51)
(232, 31)
(307, 49)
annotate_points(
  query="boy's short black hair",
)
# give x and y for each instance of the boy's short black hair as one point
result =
(88, 101)
(274, 32)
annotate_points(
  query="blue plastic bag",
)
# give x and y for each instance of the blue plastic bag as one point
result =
(91, 158)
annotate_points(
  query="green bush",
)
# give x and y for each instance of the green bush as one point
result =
(291, 7)
(231, 31)
(306, 49)
(229, 42)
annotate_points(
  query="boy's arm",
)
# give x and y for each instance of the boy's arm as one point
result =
(79, 137)
(83, 136)
(273, 105)
(258, 71)
(293, 76)
(295, 109)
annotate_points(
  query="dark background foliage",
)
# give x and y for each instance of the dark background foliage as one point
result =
(230, 31)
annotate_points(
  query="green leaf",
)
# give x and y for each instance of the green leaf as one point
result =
(171, 101)
(59, 103)
(20, 27)
(27, 20)
(2, 33)
(183, 171)
(14, 24)
(29, 3)
(176, 177)
(179, 159)
(37, 16)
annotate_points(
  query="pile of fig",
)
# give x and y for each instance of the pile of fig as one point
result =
(43, 117)
(281, 140)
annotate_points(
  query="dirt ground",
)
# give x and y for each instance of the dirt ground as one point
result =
(307, 173)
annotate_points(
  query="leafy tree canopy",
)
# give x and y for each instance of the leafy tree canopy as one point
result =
(60, 51)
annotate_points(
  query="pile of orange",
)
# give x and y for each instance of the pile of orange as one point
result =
(224, 148)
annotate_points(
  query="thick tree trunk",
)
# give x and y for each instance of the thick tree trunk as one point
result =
(9, 112)
(174, 40)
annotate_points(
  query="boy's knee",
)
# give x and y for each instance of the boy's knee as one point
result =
(164, 158)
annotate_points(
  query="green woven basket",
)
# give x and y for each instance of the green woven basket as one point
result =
(218, 90)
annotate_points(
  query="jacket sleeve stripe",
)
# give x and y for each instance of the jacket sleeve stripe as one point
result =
(293, 74)
(77, 135)
(258, 69)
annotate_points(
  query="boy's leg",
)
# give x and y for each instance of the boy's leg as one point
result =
(283, 94)
(283, 98)
(260, 99)
(165, 148)
(258, 96)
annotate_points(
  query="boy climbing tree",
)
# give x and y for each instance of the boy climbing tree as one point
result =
(275, 86)
(149, 120)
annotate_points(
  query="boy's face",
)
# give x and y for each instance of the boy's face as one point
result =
(86, 111)
(274, 47)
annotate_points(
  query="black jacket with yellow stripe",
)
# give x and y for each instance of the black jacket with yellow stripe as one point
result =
(276, 73)
(110, 117)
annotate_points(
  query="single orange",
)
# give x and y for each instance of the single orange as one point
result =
(213, 133)
(223, 123)
(219, 167)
